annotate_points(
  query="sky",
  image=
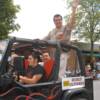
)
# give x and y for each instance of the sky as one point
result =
(35, 17)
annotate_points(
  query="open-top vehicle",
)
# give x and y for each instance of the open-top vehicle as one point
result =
(73, 85)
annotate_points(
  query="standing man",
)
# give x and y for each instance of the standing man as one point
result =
(61, 32)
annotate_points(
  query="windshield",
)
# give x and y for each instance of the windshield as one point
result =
(3, 45)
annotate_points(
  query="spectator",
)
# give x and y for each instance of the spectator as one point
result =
(98, 68)
(88, 70)
(98, 64)
(93, 63)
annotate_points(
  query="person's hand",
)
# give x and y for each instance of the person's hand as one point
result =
(21, 79)
(75, 3)
(60, 36)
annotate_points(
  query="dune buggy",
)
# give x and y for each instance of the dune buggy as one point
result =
(73, 85)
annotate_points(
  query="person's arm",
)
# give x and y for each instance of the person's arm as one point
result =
(32, 80)
(71, 22)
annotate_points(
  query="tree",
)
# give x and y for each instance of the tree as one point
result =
(88, 21)
(7, 18)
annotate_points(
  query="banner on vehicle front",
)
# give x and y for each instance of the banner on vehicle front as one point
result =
(73, 82)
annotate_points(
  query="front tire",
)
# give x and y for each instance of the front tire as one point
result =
(79, 97)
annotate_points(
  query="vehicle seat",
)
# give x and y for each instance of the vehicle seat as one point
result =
(26, 64)
(19, 65)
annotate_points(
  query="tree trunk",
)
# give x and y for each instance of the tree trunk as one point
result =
(92, 48)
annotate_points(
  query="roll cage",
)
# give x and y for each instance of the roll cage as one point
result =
(38, 44)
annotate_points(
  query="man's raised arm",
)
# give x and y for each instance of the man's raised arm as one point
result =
(71, 22)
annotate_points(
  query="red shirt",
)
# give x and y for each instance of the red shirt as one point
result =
(48, 67)
(26, 63)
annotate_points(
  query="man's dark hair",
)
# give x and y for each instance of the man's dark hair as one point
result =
(36, 56)
(57, 15)
(46, 51)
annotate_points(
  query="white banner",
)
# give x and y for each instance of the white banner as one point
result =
(73, 82)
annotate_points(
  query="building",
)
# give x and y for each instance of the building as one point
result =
(86, 48)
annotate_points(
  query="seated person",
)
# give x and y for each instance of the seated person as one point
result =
(35, 72)
(12, 57)
(48, 64)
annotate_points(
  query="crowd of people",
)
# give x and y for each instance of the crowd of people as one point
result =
(92, 68)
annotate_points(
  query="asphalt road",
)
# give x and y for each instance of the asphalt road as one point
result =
(96, 87)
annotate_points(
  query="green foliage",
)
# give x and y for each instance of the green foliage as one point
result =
(7, 18)
(88, 20)
(68, 7)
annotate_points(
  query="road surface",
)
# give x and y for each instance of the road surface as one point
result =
(96, 87)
